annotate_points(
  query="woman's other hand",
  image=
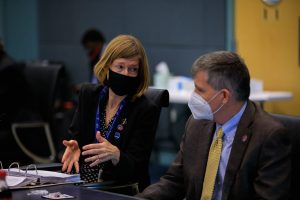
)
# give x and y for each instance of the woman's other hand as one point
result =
(101, 152)
(71, 156)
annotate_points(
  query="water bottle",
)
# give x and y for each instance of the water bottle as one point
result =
(5, 193)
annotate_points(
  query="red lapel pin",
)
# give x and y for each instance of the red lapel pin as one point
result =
(244, 138)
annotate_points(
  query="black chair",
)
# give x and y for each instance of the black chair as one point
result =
(292, 123)
(160, 98)
(32, 131)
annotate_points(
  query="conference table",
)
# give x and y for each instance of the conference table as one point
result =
(79, 192)
(183, 96)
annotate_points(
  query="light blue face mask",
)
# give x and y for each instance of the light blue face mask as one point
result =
(200, 108)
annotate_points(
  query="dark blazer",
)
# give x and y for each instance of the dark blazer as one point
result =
(258, 166)
(137, 135)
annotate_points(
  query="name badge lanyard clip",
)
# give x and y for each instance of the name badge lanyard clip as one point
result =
(97, 125)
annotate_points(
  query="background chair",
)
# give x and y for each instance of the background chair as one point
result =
(292, 123)
(159, 97)
(32, 131)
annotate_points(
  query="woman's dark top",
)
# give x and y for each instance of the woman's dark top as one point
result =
(133, 133)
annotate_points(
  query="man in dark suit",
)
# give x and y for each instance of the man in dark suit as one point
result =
(231, 149)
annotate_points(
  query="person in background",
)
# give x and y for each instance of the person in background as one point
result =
(113, 127)
(231, 149)
(94, 43)
(12, 87)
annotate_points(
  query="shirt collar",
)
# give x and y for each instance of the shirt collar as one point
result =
(232, 123)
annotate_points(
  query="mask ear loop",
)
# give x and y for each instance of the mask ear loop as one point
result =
(220, 106)
(214, 96)
(218, 109)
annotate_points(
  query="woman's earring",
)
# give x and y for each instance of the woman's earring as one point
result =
(107, 75)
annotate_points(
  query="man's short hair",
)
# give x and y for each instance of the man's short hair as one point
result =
(92, 35)
(225, 70)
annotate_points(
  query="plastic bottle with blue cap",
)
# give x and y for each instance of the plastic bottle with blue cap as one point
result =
(161, 76)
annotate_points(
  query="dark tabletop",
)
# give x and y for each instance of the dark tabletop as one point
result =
(78, 192)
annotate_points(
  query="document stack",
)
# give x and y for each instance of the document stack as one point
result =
(19, 179)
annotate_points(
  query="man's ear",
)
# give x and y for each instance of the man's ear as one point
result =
(226, 95)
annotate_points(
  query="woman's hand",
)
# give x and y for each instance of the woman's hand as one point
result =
(71, 156)
(101, 152)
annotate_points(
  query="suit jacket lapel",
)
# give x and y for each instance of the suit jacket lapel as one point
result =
(124, 117)
(239, 146)
(92, 115)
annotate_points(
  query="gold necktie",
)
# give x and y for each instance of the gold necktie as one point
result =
(212, 166)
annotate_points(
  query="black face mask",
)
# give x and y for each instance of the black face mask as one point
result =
(122, 85)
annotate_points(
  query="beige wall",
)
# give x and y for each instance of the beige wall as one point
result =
(270, 47)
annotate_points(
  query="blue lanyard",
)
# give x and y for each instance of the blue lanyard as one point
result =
(97, 125)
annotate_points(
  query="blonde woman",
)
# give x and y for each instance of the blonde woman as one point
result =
(113, 127)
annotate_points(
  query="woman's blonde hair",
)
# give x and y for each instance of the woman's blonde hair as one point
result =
(124, 46)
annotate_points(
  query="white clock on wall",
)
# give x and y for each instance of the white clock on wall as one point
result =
(271, 2)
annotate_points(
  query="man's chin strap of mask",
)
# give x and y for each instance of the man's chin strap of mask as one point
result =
(211, 99)
(214, 112)
(218, 109)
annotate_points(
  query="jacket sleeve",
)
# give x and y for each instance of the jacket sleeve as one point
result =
(171, 185)
(75, 124)
(273, 175)
(81, 119)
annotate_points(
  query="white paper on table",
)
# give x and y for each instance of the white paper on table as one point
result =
(45, 173)
(22, 178)
(14, 181)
